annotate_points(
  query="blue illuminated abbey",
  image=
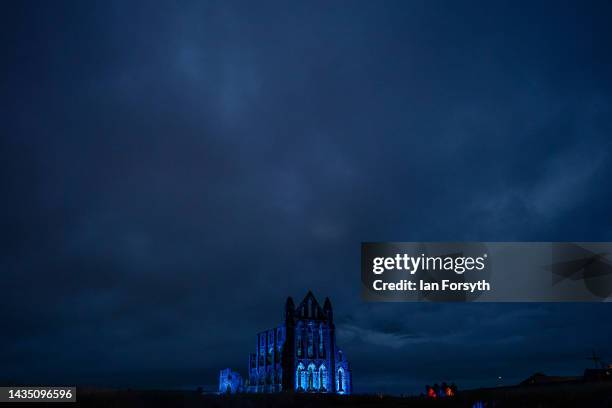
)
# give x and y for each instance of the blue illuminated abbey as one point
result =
(300, 355)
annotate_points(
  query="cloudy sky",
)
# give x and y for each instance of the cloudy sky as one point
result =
(170, 173)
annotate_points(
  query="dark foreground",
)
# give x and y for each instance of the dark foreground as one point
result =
(558, 395)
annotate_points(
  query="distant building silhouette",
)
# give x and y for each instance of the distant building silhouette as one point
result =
(598, 374)
(300, 355)
(540, 378)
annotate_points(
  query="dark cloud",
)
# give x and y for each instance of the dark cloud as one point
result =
(171, 172)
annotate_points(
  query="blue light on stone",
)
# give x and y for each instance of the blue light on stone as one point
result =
(300, 355)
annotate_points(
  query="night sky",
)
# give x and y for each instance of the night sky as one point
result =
(170, 173)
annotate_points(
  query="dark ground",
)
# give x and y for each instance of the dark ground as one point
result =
(558, 395)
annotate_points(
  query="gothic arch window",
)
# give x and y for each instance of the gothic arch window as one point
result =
(321, 342)
(312, 378)
(340, 379)
(323, 378)
(310, 342)
(279, 340)
(300, 377)
(298, 342)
